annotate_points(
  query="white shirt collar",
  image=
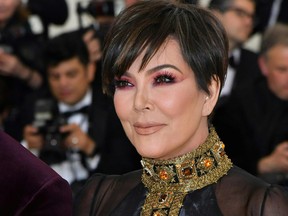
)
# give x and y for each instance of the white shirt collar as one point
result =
(236, 53)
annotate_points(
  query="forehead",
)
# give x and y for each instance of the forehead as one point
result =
(168, 53)
(66, 65)
(247, 4)
(278, 51)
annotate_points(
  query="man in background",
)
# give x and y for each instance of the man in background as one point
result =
(255, 122)
(73, 127)
(237, 17)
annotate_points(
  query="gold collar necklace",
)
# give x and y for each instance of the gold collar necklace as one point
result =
(168, 181)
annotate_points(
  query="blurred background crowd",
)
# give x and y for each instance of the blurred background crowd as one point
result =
(50, 86)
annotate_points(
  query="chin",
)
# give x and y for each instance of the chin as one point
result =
(151, 153)
(145, 153)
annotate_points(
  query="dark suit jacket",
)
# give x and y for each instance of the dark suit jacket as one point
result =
(29, 186)
(252, 124)
(247, 71)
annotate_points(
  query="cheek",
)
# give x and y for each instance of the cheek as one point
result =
(180, 102)
(122, 102)
(123, 107)
(53, 85)
(171, 105)
(276, 78)
(12, 6)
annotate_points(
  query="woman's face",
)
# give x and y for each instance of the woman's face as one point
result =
(161, 108)
(7, 9)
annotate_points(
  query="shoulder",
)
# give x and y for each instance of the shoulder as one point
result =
(17, 161)
(103, 184)
(99, 193)
(249, 64)
(248, 56)
(248, 53)
(32, 179)
(237, 175)
(20, 161)
(244, 192)
(109, 182)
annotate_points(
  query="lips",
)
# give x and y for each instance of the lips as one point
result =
(147, 128)
(65, 93)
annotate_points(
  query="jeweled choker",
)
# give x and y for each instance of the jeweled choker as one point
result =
(168, 181)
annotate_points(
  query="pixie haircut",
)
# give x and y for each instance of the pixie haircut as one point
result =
(145, 26)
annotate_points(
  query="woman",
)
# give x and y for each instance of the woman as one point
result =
(167, 62)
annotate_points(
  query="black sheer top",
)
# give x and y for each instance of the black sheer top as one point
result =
(237, 193)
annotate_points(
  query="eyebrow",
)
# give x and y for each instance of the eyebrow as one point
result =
(157, 68)
(160, 67)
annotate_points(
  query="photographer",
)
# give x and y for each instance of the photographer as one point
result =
(20, 62)
(81, 134)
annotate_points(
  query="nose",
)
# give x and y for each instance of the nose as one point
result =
(142, 100)
(63, 81)
(249, 21)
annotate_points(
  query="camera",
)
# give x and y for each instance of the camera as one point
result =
(97, 8)
(48, 125)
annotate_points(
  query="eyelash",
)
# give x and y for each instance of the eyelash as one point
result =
(160, 79)
(122, 83)
(164, 78)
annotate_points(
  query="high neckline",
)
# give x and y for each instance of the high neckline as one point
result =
(168, 181)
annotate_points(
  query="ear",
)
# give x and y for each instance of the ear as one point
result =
(262, 62)
(212, 98)
(91, 69)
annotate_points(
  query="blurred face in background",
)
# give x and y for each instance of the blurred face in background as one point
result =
(70, 80)
(238, 21)
(274, 65)
(7, 9)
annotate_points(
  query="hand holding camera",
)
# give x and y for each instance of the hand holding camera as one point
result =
(77, 139)
(52, 132)
(33, 138)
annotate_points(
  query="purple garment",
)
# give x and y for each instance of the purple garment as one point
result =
(28, 186)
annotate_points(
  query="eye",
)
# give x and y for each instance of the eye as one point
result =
(122, 83)
(282, 69)
(54, 76)
(164, 79)
(72, 73)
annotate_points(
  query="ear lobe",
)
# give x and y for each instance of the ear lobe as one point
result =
(212, 98)
(263, 65)
(91, 69)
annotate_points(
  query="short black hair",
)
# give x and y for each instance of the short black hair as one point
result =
(147, 24)
(64, 47)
